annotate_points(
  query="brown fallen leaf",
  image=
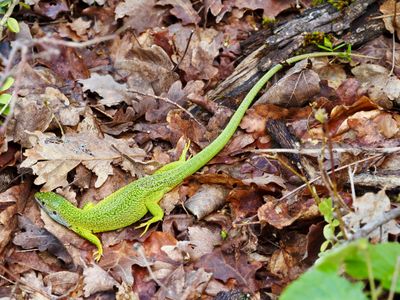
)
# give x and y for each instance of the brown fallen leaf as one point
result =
(388, 8)
(111, 92)
(77, 30)
(35, 280)
(244, 202)
(382, 88)
(52, 158)
(225, 266)
(96, 279)
(295, 89)
(51, 10)
(206, 200)
(283, 214)
(286, 263)
(61, 282)
(140, 14)
(118, 261)
(203, 241)
(271, 7)
(32, 237)
(368, 208)
(183, 10)
(14, 200)
(203, 49)
(184, 284)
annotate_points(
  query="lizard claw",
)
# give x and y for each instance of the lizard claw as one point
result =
(98, 254)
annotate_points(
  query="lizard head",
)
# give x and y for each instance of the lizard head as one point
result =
(53, 204)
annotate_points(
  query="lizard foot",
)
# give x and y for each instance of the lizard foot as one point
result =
(98, 254)
(147, 225)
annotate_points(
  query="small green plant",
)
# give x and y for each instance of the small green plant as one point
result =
(5, 98)
(328, 46)
(331, 237)
(357, 260)
(6, 21)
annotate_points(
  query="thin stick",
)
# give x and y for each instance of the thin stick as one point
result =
(370, 227)
(168, 101)
(184, 52)
(335, 150)
(319, 177)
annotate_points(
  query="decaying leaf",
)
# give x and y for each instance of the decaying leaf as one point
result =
(95, 279)
(140, 14)
(184, 284)
(52, 158)
(61, 282)
(368, 208)
(14, 200)
(388, 8)
(203, 240)
(380, 86)
(183, 10)
(34, 237)
(206, 200)
(295, 89)
(112, 92)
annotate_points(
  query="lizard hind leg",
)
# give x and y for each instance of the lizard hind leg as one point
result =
(157, 213)
(175, 164)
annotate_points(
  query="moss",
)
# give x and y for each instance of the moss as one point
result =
(338, 4)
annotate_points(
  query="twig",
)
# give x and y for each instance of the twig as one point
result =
(139, 249)
(168, 101)
(319, 177)
(184, 52)
(335, 150)
(370, 227)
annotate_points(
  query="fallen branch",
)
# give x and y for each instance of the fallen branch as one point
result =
(368, 228)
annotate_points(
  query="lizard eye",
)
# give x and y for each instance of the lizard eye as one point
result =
(54, 212)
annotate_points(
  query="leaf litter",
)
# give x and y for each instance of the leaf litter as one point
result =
(89, 120)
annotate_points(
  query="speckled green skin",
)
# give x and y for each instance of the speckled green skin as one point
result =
(130, 203)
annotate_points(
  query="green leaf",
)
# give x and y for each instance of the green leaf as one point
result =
(324, 48)
(4, 98)
(317, 285)
(324, 246)
(325, 207)
(5, 3)
(7, 84)
(328, 232)
(13, 25)
(327, 43)
(383, 259)
(333, 259)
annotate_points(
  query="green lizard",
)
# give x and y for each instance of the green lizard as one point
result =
(131, 202)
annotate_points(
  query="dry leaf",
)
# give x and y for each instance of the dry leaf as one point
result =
(203, 240)
(387, 8)
(95, 279)
(112, 92)
(206, 200)
(52, 158)
(183, 10)
(33, 237)
(141, 14)
(61, 282)
(369, 208)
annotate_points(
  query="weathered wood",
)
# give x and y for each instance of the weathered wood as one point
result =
(272, 46)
